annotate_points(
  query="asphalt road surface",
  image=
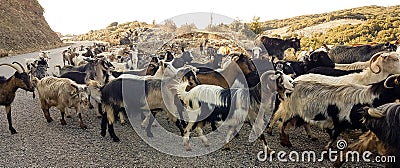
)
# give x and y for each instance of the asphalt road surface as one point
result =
(42, 144)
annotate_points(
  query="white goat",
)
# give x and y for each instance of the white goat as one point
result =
(385, 63)
(62, 93)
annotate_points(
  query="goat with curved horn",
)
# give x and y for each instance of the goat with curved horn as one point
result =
(22, 67)
(372, 60)
(393, 80)
(12, 66)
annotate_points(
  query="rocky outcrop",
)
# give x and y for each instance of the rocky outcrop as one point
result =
(23, 28)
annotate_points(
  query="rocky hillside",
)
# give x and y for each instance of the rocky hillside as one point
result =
(23, 28)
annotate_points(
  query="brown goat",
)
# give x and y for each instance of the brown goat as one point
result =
(9, 86)
(225, 77)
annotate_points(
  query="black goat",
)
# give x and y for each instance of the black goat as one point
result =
(348, 54)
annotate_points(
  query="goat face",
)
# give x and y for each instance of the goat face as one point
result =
(105, 65)
(317, 59)
(24, 81)
(187, 57)
(152, 69)
(246, 65)
(192, 79)
(386, 62)
(389, 47)
(81, 95)
(295, 44)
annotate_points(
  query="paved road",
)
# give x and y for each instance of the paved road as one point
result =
(55, 55)
(42, 144)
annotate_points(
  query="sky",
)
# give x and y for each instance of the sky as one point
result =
(81, 16)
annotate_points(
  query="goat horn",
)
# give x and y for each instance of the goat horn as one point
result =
(372, 60)
(375, 113)
(12, 66)
(22, 67)
(396, 82)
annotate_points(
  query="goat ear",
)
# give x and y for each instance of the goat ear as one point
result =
(387, 44)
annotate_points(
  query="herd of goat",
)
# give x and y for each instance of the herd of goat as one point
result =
(337, 89)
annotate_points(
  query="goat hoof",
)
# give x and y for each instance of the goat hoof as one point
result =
(122, 123)
(68, 116)
(83, 126)
(286, 143)
(188, 148)
(49, 120)
(103, 133)
(116, 139)
(227, 146)
(314, 138)
(63, 122)
(269, 132)
(91, 106)
(99, 116)
(149, 134)
(13, 131)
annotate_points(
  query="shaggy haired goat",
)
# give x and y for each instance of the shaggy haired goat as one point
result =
(333, 110)
(62, 93)
(9, 86)
(381, 66)
(148, 96)
(349, 54)
(383, 137)
(210, 103)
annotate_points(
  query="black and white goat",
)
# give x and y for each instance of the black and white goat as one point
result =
(9, 86)
(211, 103)
(148, 98)
(333, 110)
(383, 136)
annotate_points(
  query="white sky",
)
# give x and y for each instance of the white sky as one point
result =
(81, 16)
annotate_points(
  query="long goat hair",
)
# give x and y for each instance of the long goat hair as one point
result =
(381, 65)
(388, 125)
(211, 94)
(333, 109)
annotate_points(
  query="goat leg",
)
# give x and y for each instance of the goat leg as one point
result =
(271, 123)
(152, 116)
(309, 132)
(46, 113)
(62, 120)
(103, 124)
(81, 124)
(186, 136)
(284, 138)
(112, 133)
(199, 130)
(227, 145)
(10, 127)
